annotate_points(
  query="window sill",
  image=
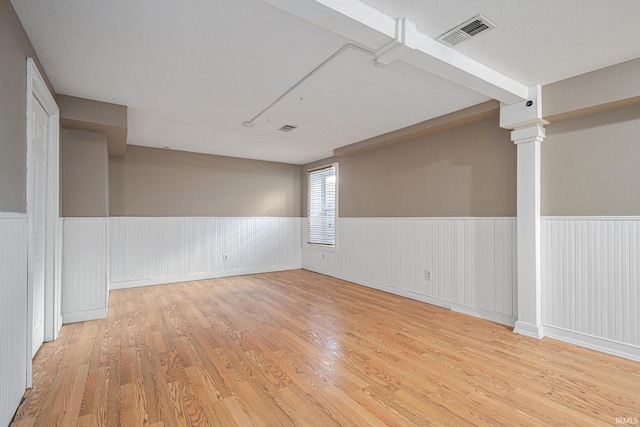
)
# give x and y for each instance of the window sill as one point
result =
(322, 248)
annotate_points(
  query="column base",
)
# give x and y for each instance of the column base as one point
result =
(529, 329)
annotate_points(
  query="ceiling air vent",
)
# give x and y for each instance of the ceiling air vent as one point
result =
(287, 128)
(465, 31)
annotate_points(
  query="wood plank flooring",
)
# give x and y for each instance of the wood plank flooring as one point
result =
(298, 348)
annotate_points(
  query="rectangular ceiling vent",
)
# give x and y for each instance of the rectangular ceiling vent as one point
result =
(465, 31)
(287, 128)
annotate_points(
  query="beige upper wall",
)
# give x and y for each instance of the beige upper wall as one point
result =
(590, 165)
(467, 171)
(598, 91)
(154, 182)
(15, 47)
(589, 160)
(96, 116)
(85, 174)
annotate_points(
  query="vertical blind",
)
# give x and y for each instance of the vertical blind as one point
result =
(322, 206)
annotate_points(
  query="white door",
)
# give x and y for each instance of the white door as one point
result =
(38, 212)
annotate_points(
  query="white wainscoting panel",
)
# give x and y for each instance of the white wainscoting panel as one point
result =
(472, 261)
(58, 276)
(591, 282)
(84, 269)
(149, 251)
(13, 313)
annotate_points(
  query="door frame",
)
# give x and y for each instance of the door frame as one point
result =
(36, 87)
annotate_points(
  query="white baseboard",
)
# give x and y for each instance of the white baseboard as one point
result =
(529, 329)
(602, 345)
(201, 276)
(82, 316)
(503, 319)
(472, 311)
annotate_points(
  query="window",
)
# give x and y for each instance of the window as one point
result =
(322, 203)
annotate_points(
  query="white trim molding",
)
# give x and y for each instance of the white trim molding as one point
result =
(591, 342)
(13, 215)
(36, 87)
(127, 284)
(492, 316)
(83, 316)
(529, 329)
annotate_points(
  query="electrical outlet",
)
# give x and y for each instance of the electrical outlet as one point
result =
(225, 257)
(324, 256)
(427, 275)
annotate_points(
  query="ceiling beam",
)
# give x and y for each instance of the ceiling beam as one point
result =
(354, 20)
(398, 39)
(452, 65)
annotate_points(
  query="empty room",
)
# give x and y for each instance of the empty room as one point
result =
(319, 213)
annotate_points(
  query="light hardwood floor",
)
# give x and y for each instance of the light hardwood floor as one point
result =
(298, 348)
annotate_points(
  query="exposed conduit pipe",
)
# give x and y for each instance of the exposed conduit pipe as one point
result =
(250, 123)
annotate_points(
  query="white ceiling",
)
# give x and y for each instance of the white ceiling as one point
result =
(191, 72)
(535, 42)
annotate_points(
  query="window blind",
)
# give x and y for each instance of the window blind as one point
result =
(322, 206)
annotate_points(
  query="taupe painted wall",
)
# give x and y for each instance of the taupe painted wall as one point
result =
(467, 171)
(85, 174)
(597, 91)
(154, 182)
(15, 47)
(96, 116)
(591, 165)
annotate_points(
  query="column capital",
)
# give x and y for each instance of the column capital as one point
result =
(523, 113)
(530, 133)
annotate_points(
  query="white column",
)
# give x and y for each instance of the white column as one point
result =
(526, 122)
(528, 139)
